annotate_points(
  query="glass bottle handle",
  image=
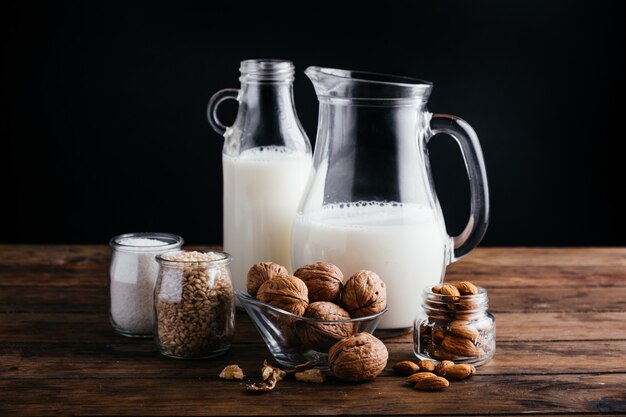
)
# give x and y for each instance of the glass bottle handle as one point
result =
(472, 153)
(214, 102)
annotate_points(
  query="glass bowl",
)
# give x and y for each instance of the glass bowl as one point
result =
(294, 340)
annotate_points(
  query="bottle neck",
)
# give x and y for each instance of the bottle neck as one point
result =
(273, 100)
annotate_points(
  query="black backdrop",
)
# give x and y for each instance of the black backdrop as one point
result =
(103, 108)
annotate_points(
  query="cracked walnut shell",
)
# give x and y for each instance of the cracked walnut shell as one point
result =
(361, 357)
(261, 272)
(285, 292)
(321, 336)
(364, 294)
(324, 281)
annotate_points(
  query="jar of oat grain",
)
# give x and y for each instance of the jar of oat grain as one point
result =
(194, 304)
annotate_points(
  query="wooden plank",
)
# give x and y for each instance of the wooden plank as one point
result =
(95, 328)
(505, 257)
(57, 258)
(487, 276)
(93, 299)
(60, 257)
(498, 394)
(491, 267)
(141, 359)
(52, 299)
(85, 328)
(524, 257)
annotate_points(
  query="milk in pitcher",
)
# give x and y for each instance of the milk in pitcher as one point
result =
(403, 243)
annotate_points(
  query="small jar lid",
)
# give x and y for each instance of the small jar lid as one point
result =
(187, 257)
(146, 242)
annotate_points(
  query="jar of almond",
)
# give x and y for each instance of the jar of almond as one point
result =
(194, 304)
(455, 324)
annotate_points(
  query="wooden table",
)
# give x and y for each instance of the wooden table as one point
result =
(561, 346)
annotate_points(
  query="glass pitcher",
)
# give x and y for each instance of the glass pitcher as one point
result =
(265, 161)
(370, 201)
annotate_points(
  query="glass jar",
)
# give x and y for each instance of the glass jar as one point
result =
(132, 275)
(266, 161)
(456, 328)
(194, 306)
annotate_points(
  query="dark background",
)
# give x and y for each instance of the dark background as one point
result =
(103, 108)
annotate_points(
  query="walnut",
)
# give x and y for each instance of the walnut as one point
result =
(361, 357)
(261, 272)
(364, 294)
(285, 292)
(323, 280)
(321, 336)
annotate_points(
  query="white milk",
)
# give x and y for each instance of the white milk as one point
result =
(262, 189)
(404, 244)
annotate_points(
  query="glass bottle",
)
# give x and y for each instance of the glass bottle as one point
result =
(194, 306)
(266, 161)
(132, 275)
(460, 329)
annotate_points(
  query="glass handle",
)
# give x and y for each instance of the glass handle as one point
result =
(214, 102)
(472, 153)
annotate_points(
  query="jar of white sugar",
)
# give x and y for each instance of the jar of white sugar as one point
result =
(132, 277)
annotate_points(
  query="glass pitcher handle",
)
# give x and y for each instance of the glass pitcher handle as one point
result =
(472, 153)
(214, 102)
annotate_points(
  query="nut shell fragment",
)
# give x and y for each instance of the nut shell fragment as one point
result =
(311, 375)
(232, 372)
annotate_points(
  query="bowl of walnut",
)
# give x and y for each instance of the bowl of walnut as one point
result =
(301, 316)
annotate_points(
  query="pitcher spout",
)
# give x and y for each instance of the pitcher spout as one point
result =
(334, 85)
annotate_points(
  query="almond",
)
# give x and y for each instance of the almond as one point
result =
(460, 346)
(463, 329)
(441, 367)
(458, 372)
(467, 288)
(426, 365)
(430, 382)
(438, 335)
(450, 290)
(406, 368)
(415, 378)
